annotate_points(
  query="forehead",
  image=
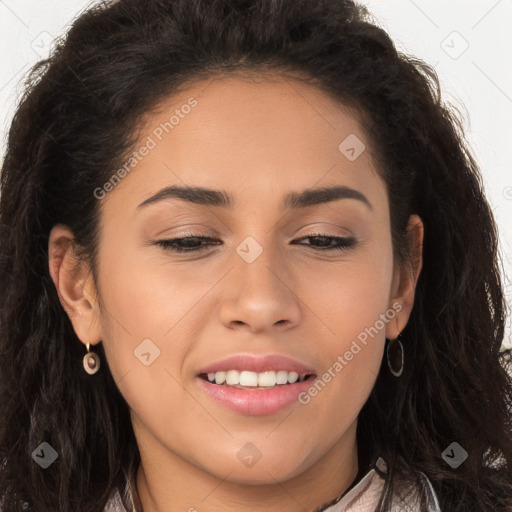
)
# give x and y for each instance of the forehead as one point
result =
(261, 109)
(248, 135)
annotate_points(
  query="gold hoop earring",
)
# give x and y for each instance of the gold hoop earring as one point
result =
(91, 361)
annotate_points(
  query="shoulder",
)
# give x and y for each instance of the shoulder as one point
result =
(407, 497)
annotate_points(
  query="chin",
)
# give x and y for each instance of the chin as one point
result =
(261, 473)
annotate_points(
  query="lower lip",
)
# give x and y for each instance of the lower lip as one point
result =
(256, 402)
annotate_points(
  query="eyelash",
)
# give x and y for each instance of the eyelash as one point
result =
(344, 243)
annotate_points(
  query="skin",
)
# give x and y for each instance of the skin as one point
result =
(258, 140)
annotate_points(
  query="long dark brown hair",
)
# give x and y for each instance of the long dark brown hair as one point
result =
(76, 123)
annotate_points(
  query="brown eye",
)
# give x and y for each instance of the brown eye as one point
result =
(324, 242)
(186, 244)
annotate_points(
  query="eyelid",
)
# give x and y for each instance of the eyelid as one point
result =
(165, 232)
(313, 233)
(342, 243)
(214, 233)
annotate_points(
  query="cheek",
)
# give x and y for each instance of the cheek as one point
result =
(351, 312)
(146, 312)
(349, 297)
(148, 336)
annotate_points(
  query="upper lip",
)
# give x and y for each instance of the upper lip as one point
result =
(258, 363)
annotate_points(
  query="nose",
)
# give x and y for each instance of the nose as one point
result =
(260, 296)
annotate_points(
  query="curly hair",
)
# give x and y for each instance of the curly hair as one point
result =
(78, 120)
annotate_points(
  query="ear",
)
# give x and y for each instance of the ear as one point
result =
(74, 283)
(405, 278)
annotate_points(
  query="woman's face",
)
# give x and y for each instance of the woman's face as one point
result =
(260, 286)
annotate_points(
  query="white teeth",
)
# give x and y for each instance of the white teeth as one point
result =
(267, 379)
(281, 377)
(219, 377)
(232, 377)
(248, 379)
(292, 377)
(254, 379)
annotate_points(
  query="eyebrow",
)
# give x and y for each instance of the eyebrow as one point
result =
(221, 198)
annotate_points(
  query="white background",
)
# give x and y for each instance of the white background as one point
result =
(468, 42)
